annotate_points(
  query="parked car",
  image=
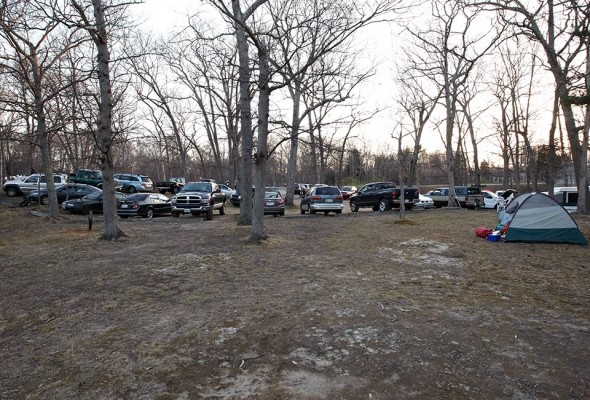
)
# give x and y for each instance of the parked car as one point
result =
(424, 202)
(172, 185)
(467, 196)
(347, 191)
(226, 190)
(91, 177)
(274, 204)
(490, 199)
(18, 187)
(299, 189)
(383, 196)
(135, 183)
(324, 199)
(199, 198)
(65, 192)
(147, 205)
(90, 202)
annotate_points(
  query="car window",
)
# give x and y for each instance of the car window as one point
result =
(328, 191)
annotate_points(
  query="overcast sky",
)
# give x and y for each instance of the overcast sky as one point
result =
(382, 43)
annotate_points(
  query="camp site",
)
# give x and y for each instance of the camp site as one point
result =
(351, 306)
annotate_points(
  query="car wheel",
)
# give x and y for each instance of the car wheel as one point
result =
(282, 213)
(383, 205)
(209, 214)
(45, 200)
(131, 189)
(326, 212)
(354, 207)
(409, 206)
(175, 215)
(302, 211)
(222, 210)
(12, 191)
(124, 216)
(311, 211)
(86, 210)
(149, 213)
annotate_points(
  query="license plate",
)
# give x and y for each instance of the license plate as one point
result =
(124, 205)
(329, 201)
(186, 211)
(269, 203)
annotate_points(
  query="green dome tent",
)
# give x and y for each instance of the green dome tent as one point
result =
(536, 217)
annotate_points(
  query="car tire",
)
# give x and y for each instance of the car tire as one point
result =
(339, 212)
(410, 206)
(209, 214)
(282, 213)
(383, 205)
(86, 210)
(131, 189)
(302, 211)
(45, 200)
(12, 191)
(149, 213)
(124, 216)
(354, 207)
(222, 209)
(175, 215)
(311, 211)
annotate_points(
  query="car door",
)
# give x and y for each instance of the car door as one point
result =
(364, 195)
(164, 205)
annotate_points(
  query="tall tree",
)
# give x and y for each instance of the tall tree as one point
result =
(562, 31)
(93, 18)
(451, 50)
(37, 42)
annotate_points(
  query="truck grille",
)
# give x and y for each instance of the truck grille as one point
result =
(188, 200)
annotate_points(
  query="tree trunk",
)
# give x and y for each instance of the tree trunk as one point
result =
(258, 231)
(294, 143)
(245, 111)
(104, 136)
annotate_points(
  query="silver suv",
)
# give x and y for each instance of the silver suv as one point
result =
(16, 187)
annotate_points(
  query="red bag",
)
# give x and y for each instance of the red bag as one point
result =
(482, 232)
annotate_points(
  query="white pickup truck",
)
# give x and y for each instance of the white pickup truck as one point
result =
(16, 187)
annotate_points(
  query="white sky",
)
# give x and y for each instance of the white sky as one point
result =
(162, 17)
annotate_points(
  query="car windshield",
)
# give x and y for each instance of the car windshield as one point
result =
(346, 188)
(197, 187)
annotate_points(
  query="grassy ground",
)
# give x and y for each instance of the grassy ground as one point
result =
(330, 307)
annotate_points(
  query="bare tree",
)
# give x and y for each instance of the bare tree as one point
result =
(562, 31)
(92, 18)
(450, 51)
(37, 43)
(346, 18)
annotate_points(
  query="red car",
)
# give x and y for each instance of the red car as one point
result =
(347, 191)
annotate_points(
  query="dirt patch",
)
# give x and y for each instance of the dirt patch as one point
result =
(355, 306)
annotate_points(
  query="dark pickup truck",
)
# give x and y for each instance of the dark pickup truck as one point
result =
(172, 185)
(383, 196)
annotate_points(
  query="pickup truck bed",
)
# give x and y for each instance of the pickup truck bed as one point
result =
(383, 196)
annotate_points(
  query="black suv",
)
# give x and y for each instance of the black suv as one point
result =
(199, 198)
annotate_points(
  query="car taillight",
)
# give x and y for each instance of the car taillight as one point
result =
(316, 197)
(338, 197)
(394, 194)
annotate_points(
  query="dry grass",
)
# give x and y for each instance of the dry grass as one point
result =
(329, 307)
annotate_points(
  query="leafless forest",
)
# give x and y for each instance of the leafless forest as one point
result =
(271, 92)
